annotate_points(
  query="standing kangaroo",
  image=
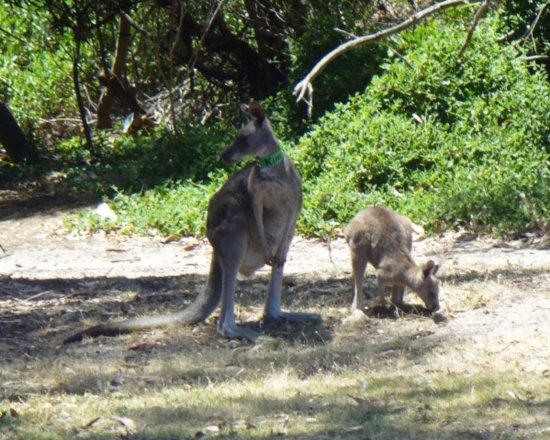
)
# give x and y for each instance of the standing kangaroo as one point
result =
(383, 238)
(251, 222)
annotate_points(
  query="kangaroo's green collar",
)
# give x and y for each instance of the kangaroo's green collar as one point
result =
(271, 160)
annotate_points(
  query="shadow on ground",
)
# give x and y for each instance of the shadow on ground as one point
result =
(16, 208)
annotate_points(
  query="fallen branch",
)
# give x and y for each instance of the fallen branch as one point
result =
(304, 89)
(39, 295)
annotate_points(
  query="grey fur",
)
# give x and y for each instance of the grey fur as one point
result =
(251, 221)
(383, 238)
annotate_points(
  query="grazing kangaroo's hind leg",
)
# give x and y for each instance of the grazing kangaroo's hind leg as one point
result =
(359, 266)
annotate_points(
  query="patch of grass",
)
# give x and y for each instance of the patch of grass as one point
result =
(174, 209)
(368, 399)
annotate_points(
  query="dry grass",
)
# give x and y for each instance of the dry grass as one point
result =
(482, 373)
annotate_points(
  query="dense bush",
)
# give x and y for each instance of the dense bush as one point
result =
(36, 69)
(446, 140)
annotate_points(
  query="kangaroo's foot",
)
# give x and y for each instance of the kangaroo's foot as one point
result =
(236, 332)
(292, 317)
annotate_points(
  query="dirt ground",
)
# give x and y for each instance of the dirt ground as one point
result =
(40, 262)
(495, 295)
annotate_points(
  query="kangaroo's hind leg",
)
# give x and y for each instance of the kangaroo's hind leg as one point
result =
(359, 266)
(230, 247)
(273, 310)
(397, 294)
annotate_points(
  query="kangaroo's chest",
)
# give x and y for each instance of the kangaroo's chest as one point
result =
(277, 194)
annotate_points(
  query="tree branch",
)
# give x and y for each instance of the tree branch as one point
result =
(542, 58)
(304, 88)
(78, 92)
(479, 14)
(534, 24)
(136, 26)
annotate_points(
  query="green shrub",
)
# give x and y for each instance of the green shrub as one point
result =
(447, 141)
(144, 160)
(451, 141)
(170, 209)
(177, 208)
(34, 68)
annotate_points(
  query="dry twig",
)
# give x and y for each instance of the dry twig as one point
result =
(479, 15)
(304, 89)
(534, 24)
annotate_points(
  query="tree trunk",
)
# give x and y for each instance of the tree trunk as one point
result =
(117, 72)
(274, 65)
(11, 136)
(79, 100)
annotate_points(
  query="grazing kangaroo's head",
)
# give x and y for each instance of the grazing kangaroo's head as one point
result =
(254, 139)
(428, 290)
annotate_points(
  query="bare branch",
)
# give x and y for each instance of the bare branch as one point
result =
(345, 33)
(9, 34)
(400, 56)
(542, 58)
(304, 87)
(135, 25)
(534, 24)
(479, 15)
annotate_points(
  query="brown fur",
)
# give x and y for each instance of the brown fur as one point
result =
(383, 238)
(251, 222)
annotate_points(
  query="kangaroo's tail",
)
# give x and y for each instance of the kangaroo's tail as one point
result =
(203, 306)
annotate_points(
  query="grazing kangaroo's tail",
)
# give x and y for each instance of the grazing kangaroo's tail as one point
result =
(198, 311)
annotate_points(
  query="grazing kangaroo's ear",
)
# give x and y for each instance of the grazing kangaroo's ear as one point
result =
(430, 268)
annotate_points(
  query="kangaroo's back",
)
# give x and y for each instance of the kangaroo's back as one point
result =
(380, 233)
(384, 239)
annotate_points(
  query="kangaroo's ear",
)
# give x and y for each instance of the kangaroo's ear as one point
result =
(430, 268)
(256, 111)
(246, 111)
(253, 112)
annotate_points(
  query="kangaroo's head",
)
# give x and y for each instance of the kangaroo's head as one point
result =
(256, 138)
(429, 289)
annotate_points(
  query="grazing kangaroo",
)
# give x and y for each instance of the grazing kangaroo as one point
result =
(250, 222)
(383, 238)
